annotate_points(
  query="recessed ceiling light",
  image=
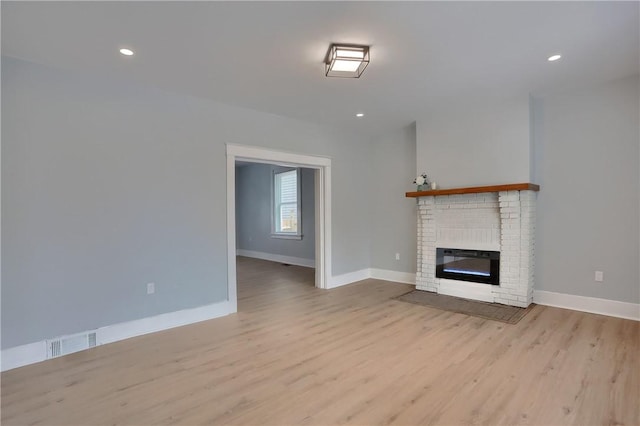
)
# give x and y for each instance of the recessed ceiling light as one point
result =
(126, 52)
(360, 114)
(554, 58)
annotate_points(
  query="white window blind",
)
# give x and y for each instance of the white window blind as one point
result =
(286, 203)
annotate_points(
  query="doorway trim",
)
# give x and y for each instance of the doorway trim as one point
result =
(322, 165)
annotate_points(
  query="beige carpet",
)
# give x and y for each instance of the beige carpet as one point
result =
(491, 311)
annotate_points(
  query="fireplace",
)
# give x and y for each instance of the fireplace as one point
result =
(480, 266)
(496, 226)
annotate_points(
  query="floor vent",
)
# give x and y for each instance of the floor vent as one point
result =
(70, 344)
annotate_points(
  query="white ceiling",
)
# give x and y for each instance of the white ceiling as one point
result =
(268, 55)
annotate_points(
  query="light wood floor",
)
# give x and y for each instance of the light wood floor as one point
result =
(298, 355)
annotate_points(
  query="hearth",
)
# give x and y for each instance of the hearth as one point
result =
(478, 266)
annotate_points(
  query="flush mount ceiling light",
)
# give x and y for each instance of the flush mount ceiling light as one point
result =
(553, 58)
(126, 52)
(346, 60)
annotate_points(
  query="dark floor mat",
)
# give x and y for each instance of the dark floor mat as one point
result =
(491, 311)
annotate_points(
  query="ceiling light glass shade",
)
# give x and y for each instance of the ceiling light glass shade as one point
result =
(345, 66)
(346, 60)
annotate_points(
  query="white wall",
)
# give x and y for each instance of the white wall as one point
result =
(587, 163)
(476, 144)
(107, 186)
(253, 213)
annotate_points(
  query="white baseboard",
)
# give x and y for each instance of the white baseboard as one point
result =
(348, 278)
(394, 276)
(32, 353)
(126, 330)
(594, 305)
(298, 261)
(379, 274)
(23, 355)
(612, 308)
(35, 352)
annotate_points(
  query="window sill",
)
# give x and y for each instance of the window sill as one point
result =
(287, 236)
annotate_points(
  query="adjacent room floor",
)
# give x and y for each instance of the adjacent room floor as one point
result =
(294, 354)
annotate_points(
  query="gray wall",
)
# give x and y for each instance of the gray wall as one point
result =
(587, 162)
(253, 212)
(476, 144)
(107, 186)
(394, 215)
(582, 148)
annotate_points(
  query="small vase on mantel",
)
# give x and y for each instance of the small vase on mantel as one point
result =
(422, 181)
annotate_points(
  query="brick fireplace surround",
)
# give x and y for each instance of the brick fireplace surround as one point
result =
(498, 218)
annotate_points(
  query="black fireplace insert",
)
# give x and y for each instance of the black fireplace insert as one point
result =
(468, 265)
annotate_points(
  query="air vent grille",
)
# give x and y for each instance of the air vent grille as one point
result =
(92, 339)
(70, 344)
(55, 348)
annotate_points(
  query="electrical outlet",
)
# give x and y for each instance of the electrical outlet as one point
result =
(151, 288)
(599, 276)
(397, 256)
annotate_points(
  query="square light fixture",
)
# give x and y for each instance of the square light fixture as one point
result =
(346, 60)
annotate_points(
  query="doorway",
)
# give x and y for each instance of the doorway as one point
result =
(322, 167)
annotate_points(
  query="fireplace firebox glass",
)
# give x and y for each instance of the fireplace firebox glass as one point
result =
(468, 265)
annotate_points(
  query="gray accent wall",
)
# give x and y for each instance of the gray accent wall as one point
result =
(394, 216)
(253, 212)
(587, 163)
(108, 185)
(476, 144)
(582, 147)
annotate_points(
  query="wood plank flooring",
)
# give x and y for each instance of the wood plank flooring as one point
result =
(294, 354)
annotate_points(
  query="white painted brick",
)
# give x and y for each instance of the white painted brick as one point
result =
(506, 219)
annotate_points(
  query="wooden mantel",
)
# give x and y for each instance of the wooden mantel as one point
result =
(475, 190)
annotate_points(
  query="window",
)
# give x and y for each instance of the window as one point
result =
(286, 204)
